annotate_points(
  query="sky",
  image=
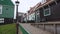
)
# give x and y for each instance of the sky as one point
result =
(25, 5)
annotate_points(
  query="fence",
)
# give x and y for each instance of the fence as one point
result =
(54, 28)
(23, 30)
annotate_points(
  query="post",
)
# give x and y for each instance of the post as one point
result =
(44, 26)
(55, 29)
(17, 24)
(26, 18)
(17, 18)
(35, 17)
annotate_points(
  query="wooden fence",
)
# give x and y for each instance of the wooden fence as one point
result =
(54, 28)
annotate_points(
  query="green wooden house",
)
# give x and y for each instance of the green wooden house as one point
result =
(6, 10)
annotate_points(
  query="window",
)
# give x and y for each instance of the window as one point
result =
(0, 9)
(47, 12)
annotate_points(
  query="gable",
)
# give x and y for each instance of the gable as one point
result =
(6, 2)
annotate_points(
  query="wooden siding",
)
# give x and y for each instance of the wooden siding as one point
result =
(7, 12)
(55, 12)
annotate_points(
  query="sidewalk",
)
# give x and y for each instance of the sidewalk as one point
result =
(33, 30)
(19, 31)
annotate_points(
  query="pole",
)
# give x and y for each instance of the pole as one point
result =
(17, 24)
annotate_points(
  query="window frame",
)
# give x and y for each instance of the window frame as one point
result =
(49, 11)
(1, 9)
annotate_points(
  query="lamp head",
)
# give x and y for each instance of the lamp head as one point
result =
(17, 2)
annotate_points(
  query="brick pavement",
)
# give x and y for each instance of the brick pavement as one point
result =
(19, 31)
(33, 30)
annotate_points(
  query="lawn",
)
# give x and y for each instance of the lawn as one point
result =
(8, 29)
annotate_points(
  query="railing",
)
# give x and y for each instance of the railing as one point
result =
(23, 30)
(54, 28)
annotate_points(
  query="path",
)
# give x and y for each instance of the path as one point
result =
(33, 30)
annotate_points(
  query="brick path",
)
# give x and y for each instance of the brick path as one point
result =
(19, 31)
(33, 30)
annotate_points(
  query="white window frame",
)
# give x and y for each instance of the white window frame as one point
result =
(1, 9)
(49, 11)
(1, 20)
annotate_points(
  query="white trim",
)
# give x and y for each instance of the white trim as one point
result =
(1, 20)
(1, 9)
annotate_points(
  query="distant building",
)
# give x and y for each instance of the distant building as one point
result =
(32, 13)
(25, 18)
(20, 17)
(6, 11)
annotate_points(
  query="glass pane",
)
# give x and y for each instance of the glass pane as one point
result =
(46, 12)
(0, 11)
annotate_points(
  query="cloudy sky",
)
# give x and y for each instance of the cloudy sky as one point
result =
(25, 5)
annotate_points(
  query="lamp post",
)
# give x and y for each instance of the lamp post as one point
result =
(17, 24)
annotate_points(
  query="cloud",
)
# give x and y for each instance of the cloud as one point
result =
(25, 5)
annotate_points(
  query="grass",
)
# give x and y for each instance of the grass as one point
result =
(8, 29)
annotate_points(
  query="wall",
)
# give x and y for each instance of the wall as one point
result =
(32, 16)
(55, 13)
(7, 12)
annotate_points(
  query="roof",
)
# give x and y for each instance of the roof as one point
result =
(32, 9)
(45, 4)
(39, 5)
(20, 13)
(6, 2)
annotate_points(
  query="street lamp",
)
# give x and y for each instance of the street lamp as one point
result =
(17, 24)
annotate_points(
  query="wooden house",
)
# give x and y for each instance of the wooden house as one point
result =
(6, 10)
